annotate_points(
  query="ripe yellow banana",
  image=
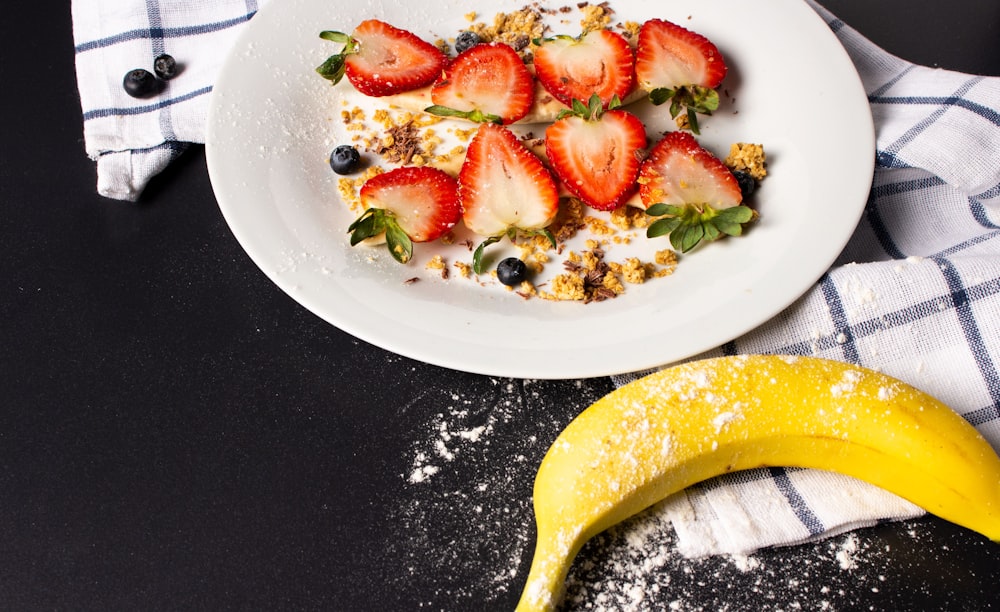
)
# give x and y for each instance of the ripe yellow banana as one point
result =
(685, 424)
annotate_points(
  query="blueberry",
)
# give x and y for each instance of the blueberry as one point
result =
(345, 159)
(140, 83)
(466, 40)
(512, 271)
(165, 67)
(747, 183)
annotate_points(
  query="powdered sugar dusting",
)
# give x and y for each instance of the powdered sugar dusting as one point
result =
(465, 495)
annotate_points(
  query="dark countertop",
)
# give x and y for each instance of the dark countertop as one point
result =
(177, 433)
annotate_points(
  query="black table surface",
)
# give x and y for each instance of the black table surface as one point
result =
(177, 433)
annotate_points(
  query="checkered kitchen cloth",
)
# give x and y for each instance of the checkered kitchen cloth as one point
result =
(916, 293)
(133, 139)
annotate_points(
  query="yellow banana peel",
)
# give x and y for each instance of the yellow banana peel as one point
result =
(679, 426)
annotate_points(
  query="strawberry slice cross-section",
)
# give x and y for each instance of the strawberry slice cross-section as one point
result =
(407, 204)
(599, 62)
(382, 60)
(596, 153)
(694, 193)
(504, 188)
(486, 83)
(680, 66)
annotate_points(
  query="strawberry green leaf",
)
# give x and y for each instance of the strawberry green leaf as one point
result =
(400, 245)
(711, 231)
(730, 220)
(686, 237)
(692, 98)
(474, 115)
(334, 67)
(338, 37)
(371, 223)
(660, 95)
(690, 224)
(376, 221)
(511, 233)
(540, 41)
(477, 255)
(692, 118)
(662, 227)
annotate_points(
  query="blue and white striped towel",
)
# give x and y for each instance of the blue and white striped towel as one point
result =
(916, 293)
(132, 139)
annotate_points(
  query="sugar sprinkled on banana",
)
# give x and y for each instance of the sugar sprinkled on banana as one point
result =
(671, 429)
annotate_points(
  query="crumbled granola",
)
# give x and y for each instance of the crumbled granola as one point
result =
(350, 187)
(595, 16)
(629, 217)
(749, 158)
(516, 29)
(464, 269)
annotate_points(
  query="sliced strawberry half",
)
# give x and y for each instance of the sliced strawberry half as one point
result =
(408, 204)
(673, 63)
(383, 60)
(596, 153)
(487, 83)
(504, 188)
(599, 62)
(695, 193)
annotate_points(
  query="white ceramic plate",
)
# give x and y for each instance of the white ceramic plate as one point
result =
(791, 86)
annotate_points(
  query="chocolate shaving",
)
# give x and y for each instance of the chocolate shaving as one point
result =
(405, 144)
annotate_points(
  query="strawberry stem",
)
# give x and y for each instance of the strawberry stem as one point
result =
(690, 224)
(376, 221)
(693, 99)
(477, 255)
(474, 115)
(334, 67)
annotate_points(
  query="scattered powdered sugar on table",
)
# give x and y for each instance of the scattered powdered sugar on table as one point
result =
(465, 502)
(635, 567)
(461, 526)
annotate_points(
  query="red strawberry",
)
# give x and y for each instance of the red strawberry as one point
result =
(487, 82)
(417, 204)
(669, 55)
(674, 63)
(503, 187)
(596, 154)
(679, 171)
(696, 192)
(382, 60)
(600, 62)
